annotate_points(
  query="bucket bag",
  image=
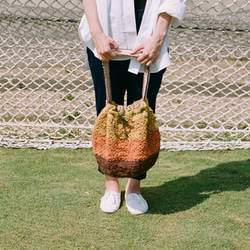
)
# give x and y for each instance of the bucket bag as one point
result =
(126, 140)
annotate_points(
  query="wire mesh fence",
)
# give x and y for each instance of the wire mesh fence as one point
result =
(46, 93)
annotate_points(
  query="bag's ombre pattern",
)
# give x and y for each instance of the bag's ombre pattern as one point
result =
(126, 142)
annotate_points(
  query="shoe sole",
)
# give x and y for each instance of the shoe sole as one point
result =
(133, 211)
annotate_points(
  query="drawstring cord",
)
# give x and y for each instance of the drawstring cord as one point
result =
(120, 114)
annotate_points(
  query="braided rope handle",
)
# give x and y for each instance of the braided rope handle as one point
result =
(124, 52)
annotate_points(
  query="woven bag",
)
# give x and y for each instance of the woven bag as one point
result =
(126, 141)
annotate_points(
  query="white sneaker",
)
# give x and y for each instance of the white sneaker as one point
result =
(110, 202)
(136, 204)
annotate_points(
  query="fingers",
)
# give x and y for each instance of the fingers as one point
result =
(115, 45)
(107, 55)
(148, 58)
(146, 53)
(136, 50)
(106, 47)
(149, 54)
(110, 52)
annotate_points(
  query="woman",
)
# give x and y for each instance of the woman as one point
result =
(137, 25)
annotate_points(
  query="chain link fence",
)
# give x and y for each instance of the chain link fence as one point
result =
(46, 94)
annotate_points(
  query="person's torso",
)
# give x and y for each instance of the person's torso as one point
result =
(140, 4)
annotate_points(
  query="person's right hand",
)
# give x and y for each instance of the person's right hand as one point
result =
(105, 46)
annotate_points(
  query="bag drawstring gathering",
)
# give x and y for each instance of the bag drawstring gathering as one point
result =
(124, 122)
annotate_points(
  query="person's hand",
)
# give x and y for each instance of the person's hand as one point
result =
(151, 50)
(103, 43)
(105, 46)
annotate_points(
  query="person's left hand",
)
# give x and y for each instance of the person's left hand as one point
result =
(151, 50)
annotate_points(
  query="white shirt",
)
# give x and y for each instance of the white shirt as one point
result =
(117, 18)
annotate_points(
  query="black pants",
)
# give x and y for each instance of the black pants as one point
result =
(122, 81)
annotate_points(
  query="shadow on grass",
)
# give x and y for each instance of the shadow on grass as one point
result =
(186, 192)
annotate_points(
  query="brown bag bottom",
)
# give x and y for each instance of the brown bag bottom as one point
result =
(122, 169)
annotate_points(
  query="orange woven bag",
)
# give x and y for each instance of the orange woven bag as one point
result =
(126, 140)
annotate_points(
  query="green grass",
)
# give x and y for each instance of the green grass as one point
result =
(197, 200)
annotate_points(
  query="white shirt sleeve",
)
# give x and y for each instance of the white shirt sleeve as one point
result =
(175, 8)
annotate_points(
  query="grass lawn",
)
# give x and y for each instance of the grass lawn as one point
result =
(197, 200)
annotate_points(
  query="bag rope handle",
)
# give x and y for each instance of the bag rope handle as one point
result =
(124, 52)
